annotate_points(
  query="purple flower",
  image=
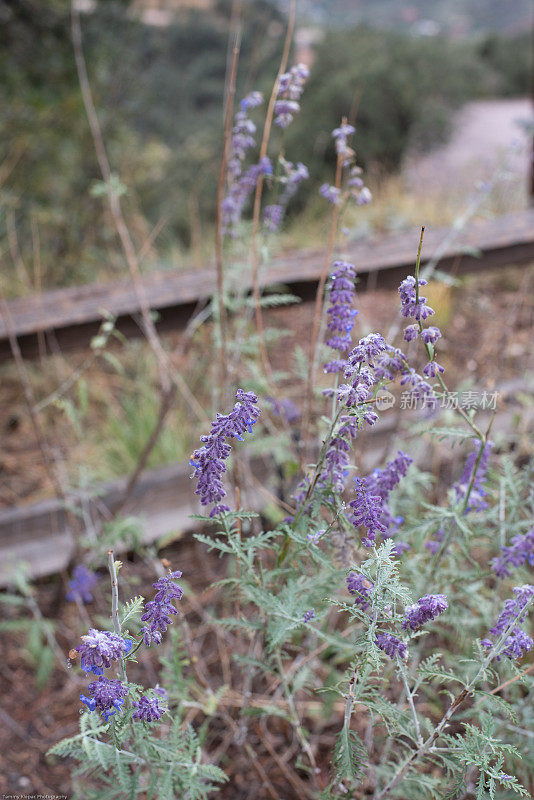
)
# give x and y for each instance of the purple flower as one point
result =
(367, 511)
(239, 192)
(365, 351)
(337, 456)
(99, 648)
(411, 332)
(426, 609)
(209, 461)
(341, 135)
(476, 498)
(158, 611)
(514, 608)
(432, 369)
(148, 709)
(309, 615)
(336, 462)
(382, 481)
(520, 551)
(430, 335)
(434, 544)
(273, 214)
(361, 588)
(410, 305)
(107, 696)
(290, 87)
(251, 101)
(389, 363)
(272, 217)
(391, 645)
(81, 584)
(401, 547)
(243, 134)
(285, 408)
(315, 537)
(517, 643)
(330, 193)
(340, 313)
(364, 197)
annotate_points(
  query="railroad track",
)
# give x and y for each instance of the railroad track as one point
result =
(164, 500)
(68, 318)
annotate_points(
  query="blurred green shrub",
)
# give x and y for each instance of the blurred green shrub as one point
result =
(158, 92)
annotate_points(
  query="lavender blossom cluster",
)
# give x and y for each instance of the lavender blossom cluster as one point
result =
(425, 610)
(242, 182)
(81, 585)
(294, 175)
(99, 648)
(290, 88)
(519, 552)
(107, 696)
(355, 185)
(158, 611)
(209, 460)
(517, 643)
(340, 313)
(361, 589)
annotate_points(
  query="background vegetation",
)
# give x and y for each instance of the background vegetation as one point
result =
(158, 93)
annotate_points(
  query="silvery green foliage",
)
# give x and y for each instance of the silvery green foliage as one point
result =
(129, 765)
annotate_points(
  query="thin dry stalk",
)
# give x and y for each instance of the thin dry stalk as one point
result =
(319, 303)
(223, 320)
(293, 779)
(258, 193)
(168, 380)
(115, 205)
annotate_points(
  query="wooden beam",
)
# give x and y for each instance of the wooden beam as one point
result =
(69, 318)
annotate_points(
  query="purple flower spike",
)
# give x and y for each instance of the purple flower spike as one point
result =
(426, 609)
(309, 615)
(330, 193)
(411, 333)
(81, 584)
(343, 150)
(520, 551)
(100, 648)
(158, 611)
(391, 645)
(148, 709)
(285, 408)
(107, 696)
(361, 589)
(431, 335)
(340, 313)
(432, 369)
(517, 643)
(367, 511)
(209, 461)
(290, 87)
(514, 608)
(365, 352)
(410, 307)
(272, 217)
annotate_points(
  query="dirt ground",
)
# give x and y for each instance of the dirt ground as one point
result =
(488, 330)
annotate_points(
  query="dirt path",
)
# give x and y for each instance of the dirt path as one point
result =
(486, 133)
